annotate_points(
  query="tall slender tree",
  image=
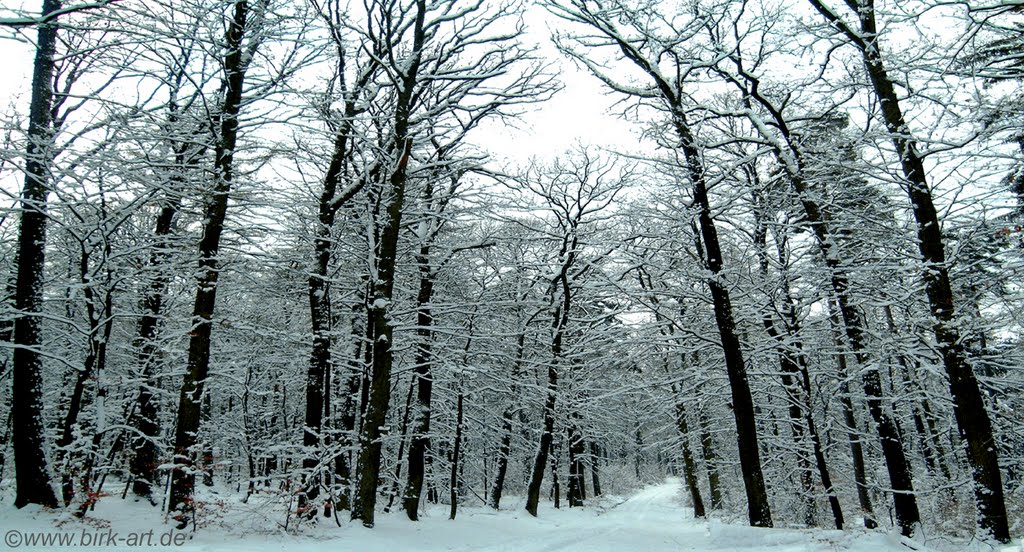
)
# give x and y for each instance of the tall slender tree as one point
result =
(237, 56)
(969, 409)
(29, 436)
(665, 89)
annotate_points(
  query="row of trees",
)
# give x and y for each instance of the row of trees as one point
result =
(266, 226)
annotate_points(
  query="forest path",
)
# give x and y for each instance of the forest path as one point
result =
(652, 519)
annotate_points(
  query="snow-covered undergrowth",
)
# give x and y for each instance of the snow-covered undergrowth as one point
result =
(651, 519)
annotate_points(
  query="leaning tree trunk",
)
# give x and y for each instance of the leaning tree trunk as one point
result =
(505, 448)
(896, 463)
(904, 500)
(968, 403)
(559, 323)
(32, 468)
(193, 384)
(758, 509)
(689, 466)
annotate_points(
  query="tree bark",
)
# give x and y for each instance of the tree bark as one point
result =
(707, 448)
(32, 469)
(577, 491)
(379, 323)
(556, 487)
(424, 387)
(193, 384)
(689, 466)
(456, 453)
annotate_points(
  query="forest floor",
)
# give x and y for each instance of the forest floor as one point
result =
(652, 519)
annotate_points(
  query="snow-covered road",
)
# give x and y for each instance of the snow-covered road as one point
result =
(653, 519)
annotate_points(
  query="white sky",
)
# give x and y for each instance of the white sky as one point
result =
(579, 113)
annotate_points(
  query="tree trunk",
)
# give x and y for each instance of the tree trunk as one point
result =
(144, 460)
(556, 487)
(99, 320)
(968, 403)
(381, 330)
(319, 292)
(143, 464)
(561, 319)
(349, 413)
(595, 468)
(456, 452)
(689, 466)
(193, 384)
(379, 323)
(850, 420)
(32, 469)
(758, 510)
(505, 448)
(424, 386)
(541, 460)
(707, 448)
(403, 434)
(577, 492)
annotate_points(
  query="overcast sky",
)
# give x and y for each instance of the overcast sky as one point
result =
(581, 112)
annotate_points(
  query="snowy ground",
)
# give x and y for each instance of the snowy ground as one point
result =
(652, 519)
